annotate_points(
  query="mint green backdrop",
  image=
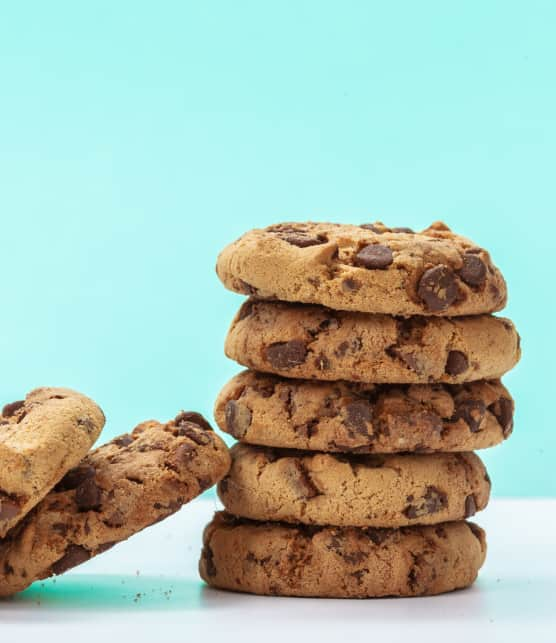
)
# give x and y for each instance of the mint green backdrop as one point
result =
(136, 139)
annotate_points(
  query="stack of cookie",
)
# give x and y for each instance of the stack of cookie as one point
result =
(60, 505)
(375, 366)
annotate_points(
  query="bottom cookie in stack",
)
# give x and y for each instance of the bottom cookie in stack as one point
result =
(273, 558)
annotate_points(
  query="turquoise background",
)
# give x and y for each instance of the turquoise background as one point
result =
(136, 139)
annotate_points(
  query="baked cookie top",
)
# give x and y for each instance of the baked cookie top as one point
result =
(267, 410)
(41, 437)
(353, 490)
(367, 268)
(119, 489)
(313, 342)
(296, 560)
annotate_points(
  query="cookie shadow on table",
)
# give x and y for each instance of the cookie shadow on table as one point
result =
(117, 592)
(486, 601)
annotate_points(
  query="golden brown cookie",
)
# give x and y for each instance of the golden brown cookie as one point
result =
(268, 410)
(295, 560)
(41, 437)
(368, 268)
(119, 489)
(353, 490)
(313, 342)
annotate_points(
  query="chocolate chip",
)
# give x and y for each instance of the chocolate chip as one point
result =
(184, 453)
(105, 547)
(9, 508)
(350, 285)
(88, 495)
(472, 413)
(374, 257)
(123, 440)
(502, 410)
(476, 531)
(303, 239)
(433, 501)
(473, 272)
(75, 477)
(457, 363)
(404, 230)
(208, 557)
(75, 555)
(373, 228)
(438, 288)
(238, 418)
(300, 481)
(192, 431)
(470, 506)
(12, 408)
(359, 414)
(286, 354)
(195, 418)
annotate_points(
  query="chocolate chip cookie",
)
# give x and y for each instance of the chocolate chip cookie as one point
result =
(295, 560)
(117, 490)
(41, 437)
(313, 342)
(268, 410)
(367, 268)
(355, 490)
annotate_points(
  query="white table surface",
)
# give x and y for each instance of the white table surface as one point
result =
(148, 589)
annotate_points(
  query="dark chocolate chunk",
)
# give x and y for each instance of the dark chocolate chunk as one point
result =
(123, 440)
(470, 506)
(286, 354)
(12, 408)
(193, 432)
(208, 557)
(300, 481)
(473, 272)
(350, 285)
(75, 555)
(196, 418)
(502, 410)
(303, 239)
(433, 501)
(472, 413)
(457, 363)
(438, 288)
(238, 418)
(75, 477)
(374, 257)
(88, 495)
(359, 415)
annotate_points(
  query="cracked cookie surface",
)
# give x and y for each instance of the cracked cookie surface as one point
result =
(313, 342)
(367, 268)
(353, 490)
(295, 560)
(116, 491)
(273, 411)
(41, 437)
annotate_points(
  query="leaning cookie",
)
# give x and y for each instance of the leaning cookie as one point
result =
(295, 560)
(368, 268)
(118, 490)
(353, 490)
(273, 411)
(313, 342)
(41, 437)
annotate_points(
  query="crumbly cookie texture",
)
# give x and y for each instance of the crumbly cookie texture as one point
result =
(368, 268)
(41, 437)
(313, 342)
(268, 410)
(354, 490)
(117, 490)
(296, 560)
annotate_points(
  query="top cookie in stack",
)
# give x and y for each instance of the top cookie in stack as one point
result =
(362, 340)
(368, 268)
